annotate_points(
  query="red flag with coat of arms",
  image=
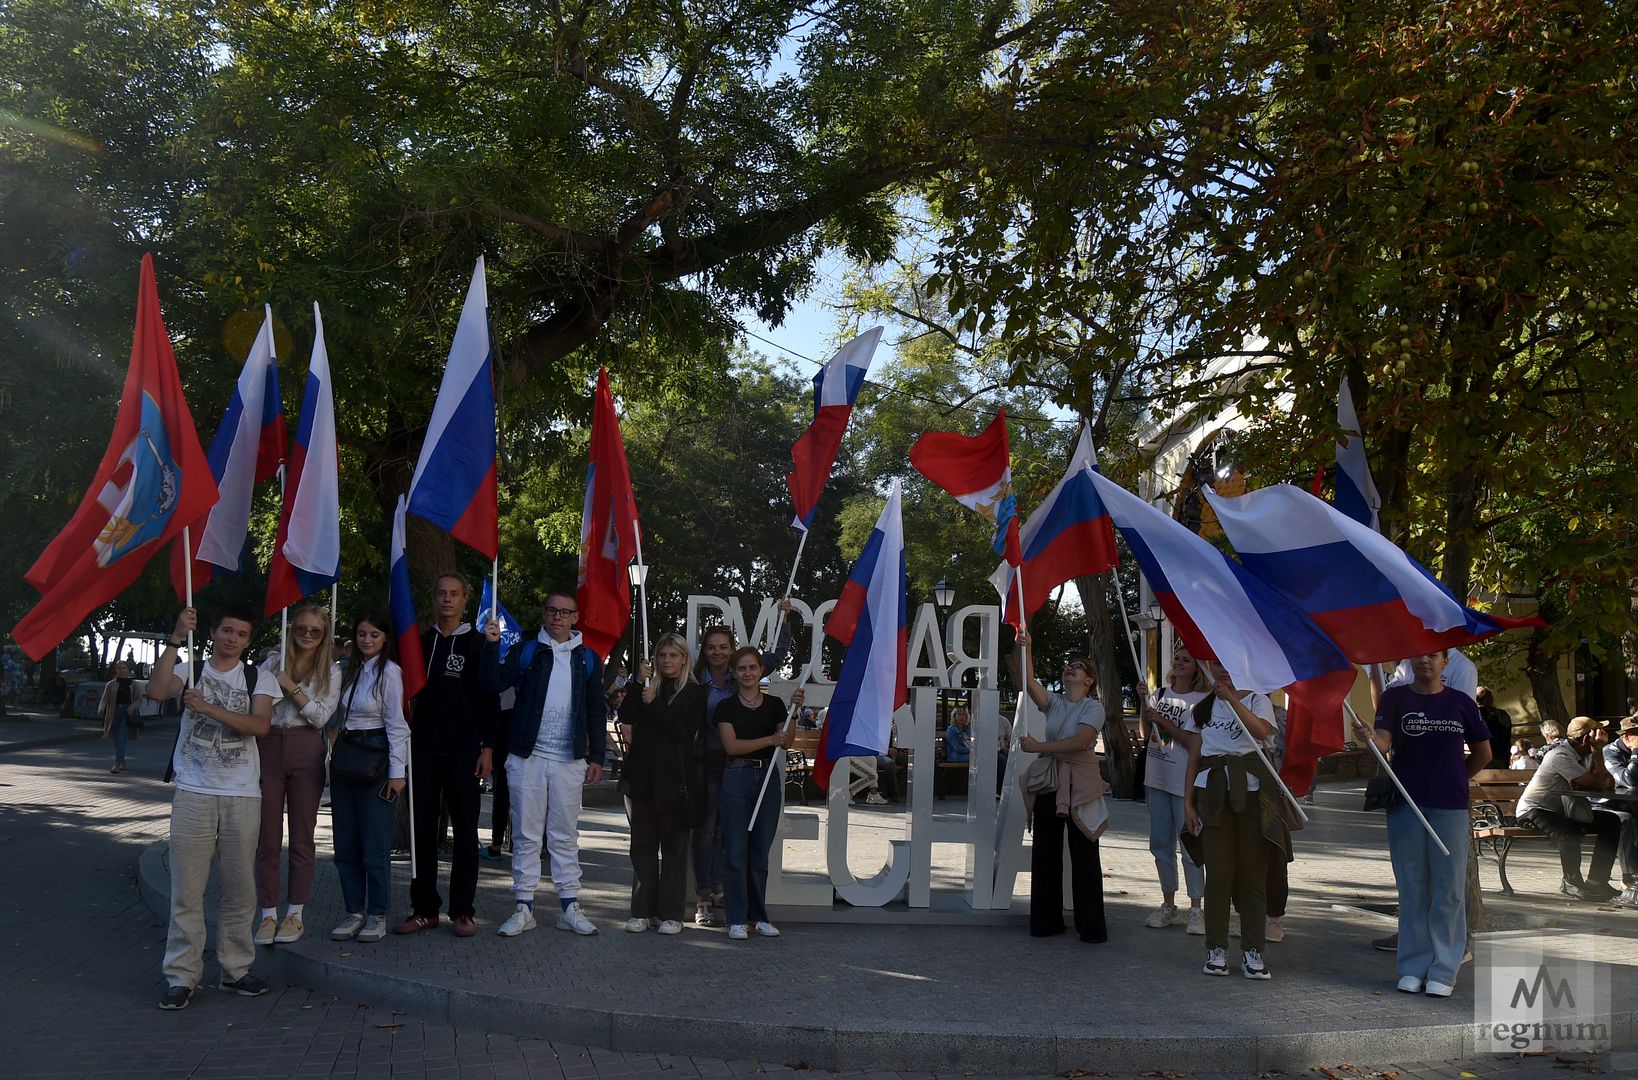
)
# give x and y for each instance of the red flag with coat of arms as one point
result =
(608, 530)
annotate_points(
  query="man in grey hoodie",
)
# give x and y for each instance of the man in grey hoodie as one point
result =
(554, 747)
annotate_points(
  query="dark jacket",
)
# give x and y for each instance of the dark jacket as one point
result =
(665, 766)
(453, 714)
(528, 670)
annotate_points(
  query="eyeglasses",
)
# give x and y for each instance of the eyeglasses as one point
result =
(308, 631)
(554, 612)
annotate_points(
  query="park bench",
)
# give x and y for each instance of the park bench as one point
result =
(799, 761)
(1493, 799)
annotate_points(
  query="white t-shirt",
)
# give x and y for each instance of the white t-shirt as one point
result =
(211, 758)
(1460, 674)
(1167, 762)
(1223, 733)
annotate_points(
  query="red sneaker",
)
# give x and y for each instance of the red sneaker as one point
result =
(415, 924)
(464, 926)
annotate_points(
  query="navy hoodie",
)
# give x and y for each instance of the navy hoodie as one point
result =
(452, 715)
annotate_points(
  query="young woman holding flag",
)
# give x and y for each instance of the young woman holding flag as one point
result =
(661, 783)
(1167, 759)
(292, 754)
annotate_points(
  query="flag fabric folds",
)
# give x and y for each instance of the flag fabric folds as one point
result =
(608, 530)
(511, 629)
(835, 389)
(401, 606)
(1067, 536)
(977, 470)
(1356, 493)
(154, 480)
(871, 620)
(248, 449)
(454, 484)
(1224, 612)
(307, 552)
(1373, 599)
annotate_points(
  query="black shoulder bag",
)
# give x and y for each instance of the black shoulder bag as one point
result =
(359, 756)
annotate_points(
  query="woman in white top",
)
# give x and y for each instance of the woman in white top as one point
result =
(292, 755)
(367, 777)
(1232, 804)
(1166, 762)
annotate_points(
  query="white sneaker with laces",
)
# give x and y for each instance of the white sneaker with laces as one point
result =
(1162, 917)
(766, 929)
(1252, 966)
(637, 926)
(266, 930)
(573, 919)
(375, 928)
(348, 928)
(1197, 923)
(739, 932)
(1437, 989)
(1216, 961)
(875, 799)
(670, 926)
(1410, 984)
(522, 919)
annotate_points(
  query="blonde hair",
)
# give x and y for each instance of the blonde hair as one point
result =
(320, 675)
(1198, 684)
(680, 643)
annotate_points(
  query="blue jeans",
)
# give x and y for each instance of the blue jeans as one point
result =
(745, 881)
(706, 841)
(1432, 892)
(362, 822)
(1165, 824)
(120, 733)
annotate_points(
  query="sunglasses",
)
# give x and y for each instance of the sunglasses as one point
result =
(308, 631)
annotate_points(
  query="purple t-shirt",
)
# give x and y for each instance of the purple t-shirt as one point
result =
(1429, 731)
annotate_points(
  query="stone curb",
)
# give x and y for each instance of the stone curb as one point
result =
(932, 1047)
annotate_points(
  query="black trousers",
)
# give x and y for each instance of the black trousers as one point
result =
(445, 780)
(500, 809)
(659, 862)
(1277, 884)
(1046, 876)
(1605, 826)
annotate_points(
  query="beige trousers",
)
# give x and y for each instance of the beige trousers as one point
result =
(206, 828)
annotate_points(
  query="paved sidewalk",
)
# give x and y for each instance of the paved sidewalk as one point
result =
(25, 727)
(81, 954)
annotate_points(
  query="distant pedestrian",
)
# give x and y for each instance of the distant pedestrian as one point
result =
(122, 697)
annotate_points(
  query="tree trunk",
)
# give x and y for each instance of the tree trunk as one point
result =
(1541, 665)
(1118, 748)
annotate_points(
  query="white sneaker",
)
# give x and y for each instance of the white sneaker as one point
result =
(1437, 989)
(1197, 922)
(738, 932)
(290, 930)
(522, 919)
(572, 919)
(637, 926)
(1410, 984)
(1273, 931)
(348, 928)
(375, 928)
(1216, 961)
(1252, 966)
(1163, 916)
(266, 929)
(703, 916)
(766, 929)
(670, 926)
(875, 799)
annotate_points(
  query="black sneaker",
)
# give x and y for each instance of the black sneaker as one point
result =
(1600, 890)
(248, 985)
(1252, 966)
(1387, 944)
(1576, 890)
(176, 997)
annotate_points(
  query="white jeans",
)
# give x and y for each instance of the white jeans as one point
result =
(546, 798)
(206, 828)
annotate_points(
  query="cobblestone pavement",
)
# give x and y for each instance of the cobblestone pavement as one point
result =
(81, 954)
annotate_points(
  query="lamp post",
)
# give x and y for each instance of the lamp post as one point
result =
(637, 574)
(943, 593)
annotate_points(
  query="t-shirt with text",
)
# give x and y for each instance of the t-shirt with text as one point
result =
(1167, 760)
(210, 757)
(1430, 733)
(1225, 735)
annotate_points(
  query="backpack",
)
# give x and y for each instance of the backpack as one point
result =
(193, 673)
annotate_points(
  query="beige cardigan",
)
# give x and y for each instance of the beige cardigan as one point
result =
(110, 692)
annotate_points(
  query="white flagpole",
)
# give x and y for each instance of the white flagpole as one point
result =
(1403, 794)
(334, 593)
(187, 587)
(1257, 748)
(767, 773)
(494, 590)
(790, 587)
(642, 590)
(1126, 620)
(284, 613)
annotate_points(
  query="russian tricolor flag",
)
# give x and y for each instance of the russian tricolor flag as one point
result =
(307, 554)
(1374, 600)
(401, 605)
(871, 619)
(1069, 535)
(977, 470)
(1356, 493)
(1224, 612)
(248, 449)
(454, 484)
(835, 389)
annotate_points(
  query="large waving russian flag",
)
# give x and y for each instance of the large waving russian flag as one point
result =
(307, 554)
(454, 483)
(1356, 493)
(835, 389)
(977, 470)
(608, 530)
(1224, 612)
(1373, 599)
(248, 449)
(1068, 536)
(871, 619)
(401, 605)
